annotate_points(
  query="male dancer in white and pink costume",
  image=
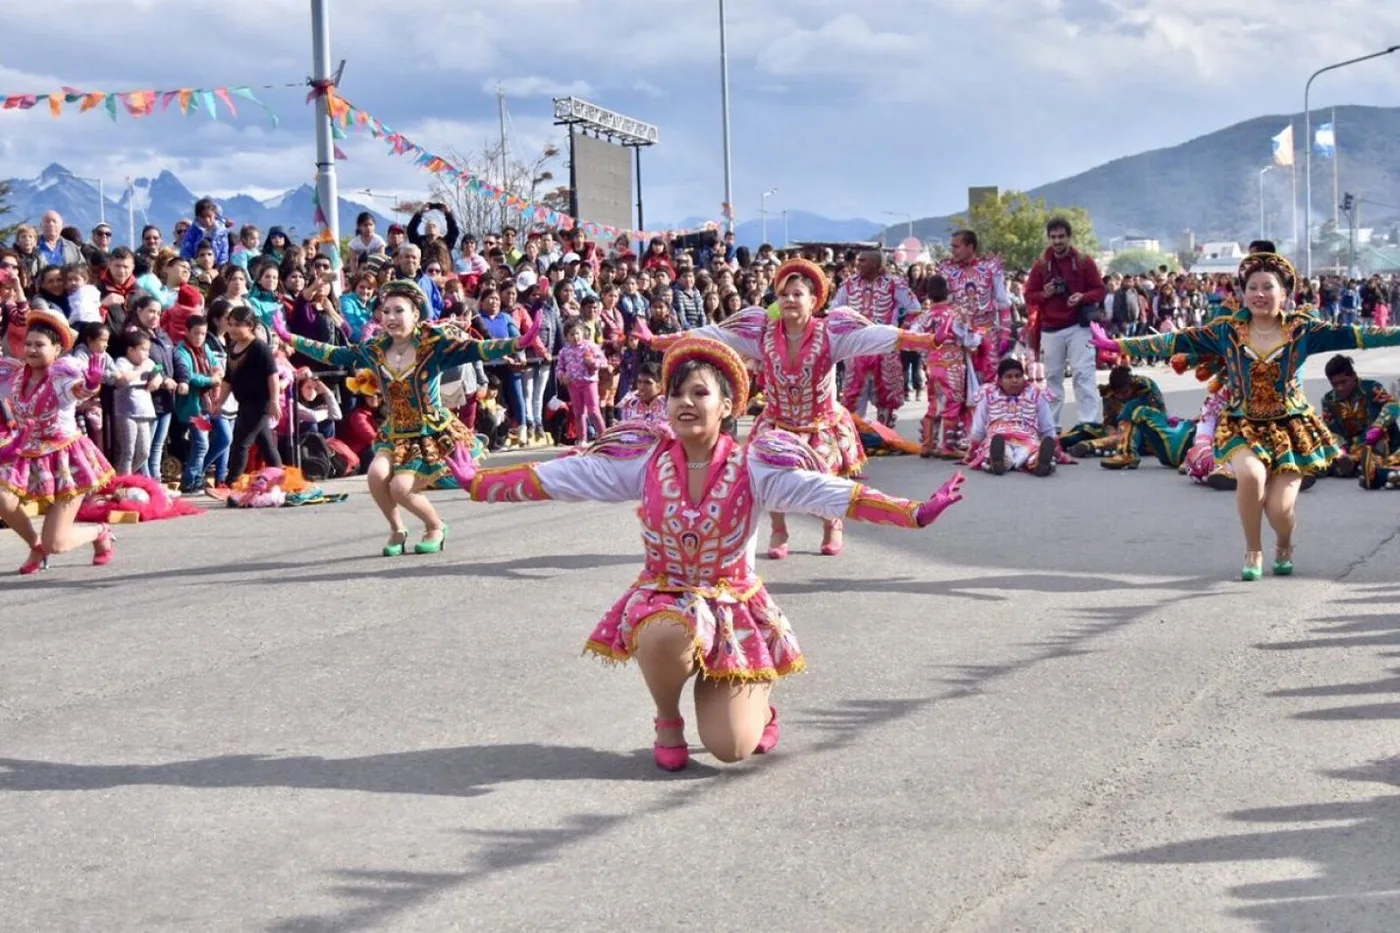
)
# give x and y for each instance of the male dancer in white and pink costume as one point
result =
(985, 278)
(880, 298)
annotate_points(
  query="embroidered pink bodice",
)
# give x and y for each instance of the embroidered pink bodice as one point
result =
(46, 410)
(1012, 412)
(985, 278)
(879, 300)
(697, 544)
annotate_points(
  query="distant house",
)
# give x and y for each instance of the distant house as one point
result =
(1217, 256)
(1138, 241)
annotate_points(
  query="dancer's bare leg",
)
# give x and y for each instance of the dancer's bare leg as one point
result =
(665, 651)
(1252, 478)
(381, 470)
(731, 717)
(12, 511)
(60, 533)
(1280, 498)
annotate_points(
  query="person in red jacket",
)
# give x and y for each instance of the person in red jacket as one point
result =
(1062, 292)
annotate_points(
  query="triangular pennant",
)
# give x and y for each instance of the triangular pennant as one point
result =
(208, 98)
(247, 94)
(90, 101)
(337, 132)
(56, 104)
(339, 155)
(185, 95)
(166, 98)
(112, 107)
(222, 94)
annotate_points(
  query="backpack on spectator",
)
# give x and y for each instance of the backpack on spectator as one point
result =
(316, 458)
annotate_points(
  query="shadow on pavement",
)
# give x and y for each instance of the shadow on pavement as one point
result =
(464, 771)
(976, 587)
(1353, 866)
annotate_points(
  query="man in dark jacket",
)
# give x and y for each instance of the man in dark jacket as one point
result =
(1064, 291)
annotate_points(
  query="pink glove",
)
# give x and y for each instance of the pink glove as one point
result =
(946, 495)
(1373, 436)
(1101, 340)
(462, 465)
(279, 327)
(92, 379)
(642, 331)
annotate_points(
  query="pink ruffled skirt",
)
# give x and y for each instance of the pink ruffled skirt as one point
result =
(740, 636)
(75, 469)
(835, 440)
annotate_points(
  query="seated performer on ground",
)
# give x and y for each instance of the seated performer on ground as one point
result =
(1199, 461)
(1122, 395)
(698, 609)
(952, 379)
(1011, 425)
(1361, 414)
(798, 350)
(1268, 432)
(418, 434)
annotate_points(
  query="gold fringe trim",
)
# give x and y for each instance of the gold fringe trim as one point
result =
(24, 495)
(610, 655)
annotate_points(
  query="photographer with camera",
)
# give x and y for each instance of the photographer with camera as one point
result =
(1065, 295)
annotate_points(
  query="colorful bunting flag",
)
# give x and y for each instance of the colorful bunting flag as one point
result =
(139, 103)
(344, 115)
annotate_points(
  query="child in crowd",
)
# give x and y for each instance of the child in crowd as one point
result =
(93, 339)
(579, 363)
(135, 410)
(645, 403)
(84, 300)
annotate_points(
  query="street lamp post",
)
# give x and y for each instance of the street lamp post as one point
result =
(786, 239)
(1263, 227)
(763, 211)
(724, 105)
(906, 215)
(1307, 142)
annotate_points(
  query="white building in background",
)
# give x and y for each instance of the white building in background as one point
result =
(1136, 241)
(1218, 256)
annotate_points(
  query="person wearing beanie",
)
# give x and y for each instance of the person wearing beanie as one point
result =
(175, 320)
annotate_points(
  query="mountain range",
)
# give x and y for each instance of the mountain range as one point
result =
(162, 201)
(1210, 185)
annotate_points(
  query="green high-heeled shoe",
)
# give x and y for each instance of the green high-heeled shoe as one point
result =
(433, 547)
(1253, 566)
(1283, 562)
(397, 540)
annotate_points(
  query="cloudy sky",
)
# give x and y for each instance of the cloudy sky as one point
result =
(847, 109)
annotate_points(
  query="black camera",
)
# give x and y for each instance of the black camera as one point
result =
(1058, 286)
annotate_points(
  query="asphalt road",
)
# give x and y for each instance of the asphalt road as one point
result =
(1056, 710)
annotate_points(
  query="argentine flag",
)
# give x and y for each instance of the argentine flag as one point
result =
(1325, 141)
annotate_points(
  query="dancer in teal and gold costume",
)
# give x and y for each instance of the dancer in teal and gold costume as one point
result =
(1268, 433)
(418, 433)
(1362, 416)
(1124, 394)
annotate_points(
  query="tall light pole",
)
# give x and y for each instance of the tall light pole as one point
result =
(906, 215)
(763, 211)
(325, 144)
(786, 239)
(724, 104)
(1263, 227)
(1307, 142)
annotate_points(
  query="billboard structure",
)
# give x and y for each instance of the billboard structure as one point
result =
(601, 173)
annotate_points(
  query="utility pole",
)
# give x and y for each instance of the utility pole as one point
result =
(325, 141)
(724, 105)
(505, 183)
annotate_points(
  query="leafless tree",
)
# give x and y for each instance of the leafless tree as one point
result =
(478, 214)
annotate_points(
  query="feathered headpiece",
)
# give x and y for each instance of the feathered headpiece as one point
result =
(716, 354)
(809, 271)
(1268, 262)
(404, 288)
(363, 382)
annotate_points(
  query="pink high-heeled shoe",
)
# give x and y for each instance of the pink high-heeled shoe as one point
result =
(834, 548)
(104, 546)
(771, 733)
(38, 560)
(777, 551)
(670, 757)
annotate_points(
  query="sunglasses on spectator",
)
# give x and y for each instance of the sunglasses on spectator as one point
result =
(435, 270)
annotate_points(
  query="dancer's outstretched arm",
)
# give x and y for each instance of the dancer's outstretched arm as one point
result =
(613, 469)
(1195, 342)
(741, 332)
(1322, 337)
(854, 335)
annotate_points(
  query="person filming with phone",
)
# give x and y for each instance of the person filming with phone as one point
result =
(1065, 295)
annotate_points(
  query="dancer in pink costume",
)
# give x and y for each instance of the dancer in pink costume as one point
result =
(1011, 425)
(985, 278)
(698, 609)
(49, 460)
(881, 298)
(797, 353)
(951, 379)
